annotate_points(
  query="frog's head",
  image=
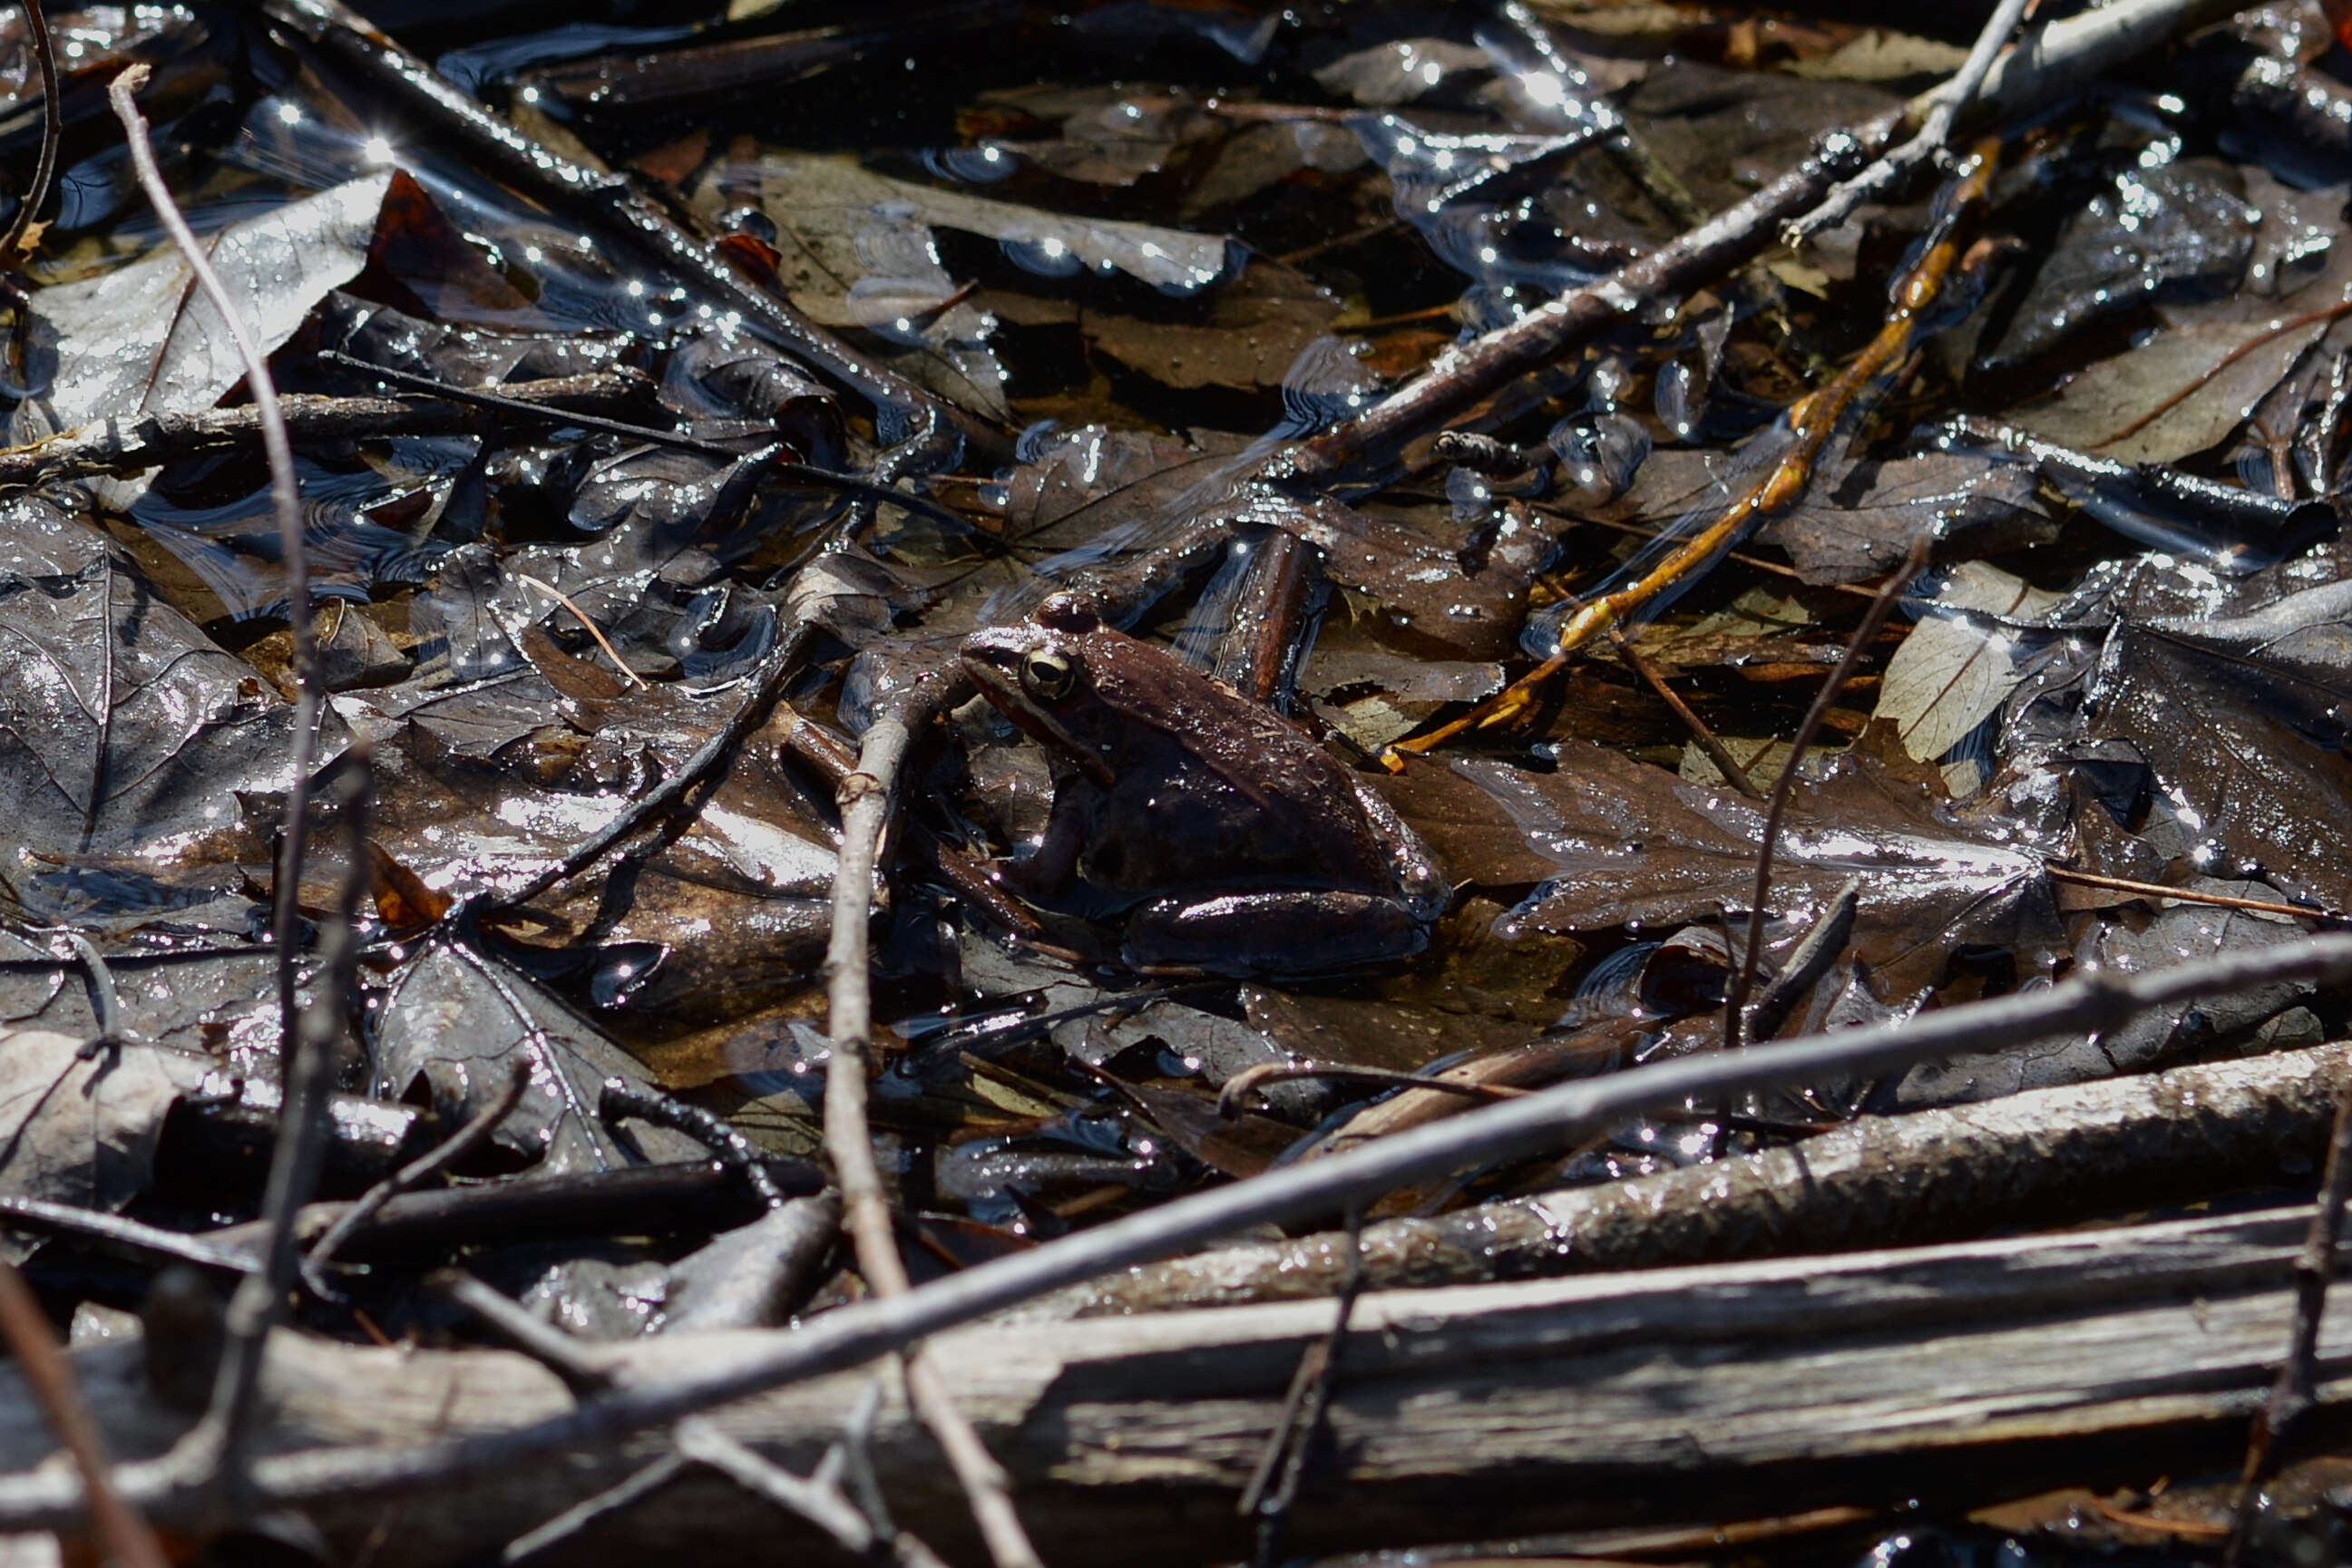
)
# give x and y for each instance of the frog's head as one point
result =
(1041, 675)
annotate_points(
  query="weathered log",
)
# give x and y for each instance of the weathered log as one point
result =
(2045, 1157)
(1958, 1374)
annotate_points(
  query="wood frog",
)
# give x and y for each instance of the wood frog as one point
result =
(1224, 839)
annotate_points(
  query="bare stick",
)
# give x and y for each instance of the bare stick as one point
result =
(2315, 1267)
(865, 798)
(14, 251)
(1864, 635)
(286, 501)
(1556, 1118)
(2054, 61)
(134, 443)
(614, 1499)
(800, 473)
(417, 1172)
(584, 1367)
(1943, 110)
(212, 1448)
(1717, 752)
(1272, 1487)
(823, 1506)
(114, 1230)
(126, 1536)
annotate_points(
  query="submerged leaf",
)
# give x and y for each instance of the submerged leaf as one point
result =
(1631, 844)
(122, 727)
(143, 338)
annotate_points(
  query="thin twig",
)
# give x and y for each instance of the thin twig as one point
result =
(1944, 108)
(135, 443)
(594, 629)
(415, 1173)
(658, 804)
(2293, 1394)
(804, 474)
(584, 1367)
(613, 1499)
(1556, 1118)
(618, 1098)
(14, 251)
(126, 1536)
(114, 1230)
(821, 1505)
(1734, 774)
(1244, 1086)
(2189, 894)
(286, 502)
(866, 799)
(213, 1448)
(1856, 646)
(1272, 1487)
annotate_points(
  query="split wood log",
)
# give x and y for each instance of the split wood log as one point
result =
(2042, 1158)
(1954, 1374)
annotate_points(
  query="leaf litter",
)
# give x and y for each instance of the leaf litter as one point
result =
(1088, 312)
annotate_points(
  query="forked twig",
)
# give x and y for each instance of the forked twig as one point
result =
(121, 1530)
(1945, 106)
(1864, 635)
(1806, 431)
(865, 798)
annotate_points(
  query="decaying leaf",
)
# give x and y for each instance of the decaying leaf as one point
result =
(1963, 659)
(81, 1129)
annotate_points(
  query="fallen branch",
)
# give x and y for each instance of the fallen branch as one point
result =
(1945, 106)
(1959, 1376)
(2043, 1157)
(853, 1335)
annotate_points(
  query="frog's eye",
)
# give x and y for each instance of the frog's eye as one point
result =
(1048, 675)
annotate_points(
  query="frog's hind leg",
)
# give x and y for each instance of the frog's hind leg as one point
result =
(1272, 935)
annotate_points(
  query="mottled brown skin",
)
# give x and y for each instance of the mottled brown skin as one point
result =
(1226, 840)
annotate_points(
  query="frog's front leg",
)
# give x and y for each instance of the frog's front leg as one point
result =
(1272, 936)
(1049, 868)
